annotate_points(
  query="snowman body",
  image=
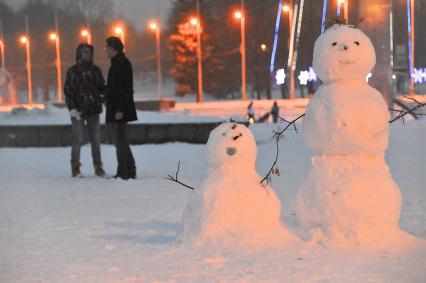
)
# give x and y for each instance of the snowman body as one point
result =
(231, 207)
(348, 197)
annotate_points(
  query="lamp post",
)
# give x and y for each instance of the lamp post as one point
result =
(289, 12)
(241, 17)
(25, 40)
(195, 22)
(2, 47)
(3, 63)
(154, 26)
(411, 43)
(345, 8)
(291, 22)
(85, 33)
(55, 37)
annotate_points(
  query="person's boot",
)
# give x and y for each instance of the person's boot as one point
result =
(132, 173)
(123, 174)
(75, 169)
(99, 171)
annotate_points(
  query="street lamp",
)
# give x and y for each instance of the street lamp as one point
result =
(25, 40)
(54, 37)
(85, 33)
(239, 16)
(411, 43)
(3, 63)
(195, 22)
(119, 31)
(154, 26)
(288, 10)
(345, 8)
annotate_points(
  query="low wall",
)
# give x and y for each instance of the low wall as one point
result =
(163, 104)
(60, 135)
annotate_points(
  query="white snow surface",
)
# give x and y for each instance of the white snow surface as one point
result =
(231, 207)
(58, 229)
(183, 112)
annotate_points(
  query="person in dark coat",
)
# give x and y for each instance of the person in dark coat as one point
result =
(275, 111)
(120, 106)
(84, 93)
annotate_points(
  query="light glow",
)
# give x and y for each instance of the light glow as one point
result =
(280, 77)
(23, 39)
(53, 36)
(303, 77)
(153, 25)
(238, 15)
(194, 21)
(118, 30)
(324, 13)
(84, 33)
(274, 46)
(307, 76)
(419, 75)
(286, 8)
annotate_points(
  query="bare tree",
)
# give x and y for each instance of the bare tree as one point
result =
(94, 10)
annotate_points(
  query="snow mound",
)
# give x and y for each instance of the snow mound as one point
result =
(232, 207)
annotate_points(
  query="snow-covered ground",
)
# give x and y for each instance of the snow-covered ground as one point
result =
(58, 229)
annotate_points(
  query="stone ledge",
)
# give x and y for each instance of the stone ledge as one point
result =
(60, 135)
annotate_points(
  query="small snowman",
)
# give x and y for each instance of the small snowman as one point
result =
(232, 207)
(349, 197)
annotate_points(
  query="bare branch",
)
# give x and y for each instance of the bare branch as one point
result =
(277, 136)
(410, 111)
(175, 179)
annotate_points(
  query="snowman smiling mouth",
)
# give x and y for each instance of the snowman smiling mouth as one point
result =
(345, 62)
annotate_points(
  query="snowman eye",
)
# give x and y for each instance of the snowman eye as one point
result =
(357, 43)
(237, 137)
(334, 44)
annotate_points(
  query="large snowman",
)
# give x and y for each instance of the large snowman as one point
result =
(232, 207)
(349, 197)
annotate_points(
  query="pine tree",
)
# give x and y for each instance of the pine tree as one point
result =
(221, 41)
(182, 46)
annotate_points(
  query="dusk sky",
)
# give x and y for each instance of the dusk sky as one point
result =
(137, 11)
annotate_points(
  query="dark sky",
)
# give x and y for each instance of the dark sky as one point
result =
(139, 12)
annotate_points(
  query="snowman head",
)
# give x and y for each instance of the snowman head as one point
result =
(231, 143)
(343, 52)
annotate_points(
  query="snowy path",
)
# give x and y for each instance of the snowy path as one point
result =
(57, 229)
